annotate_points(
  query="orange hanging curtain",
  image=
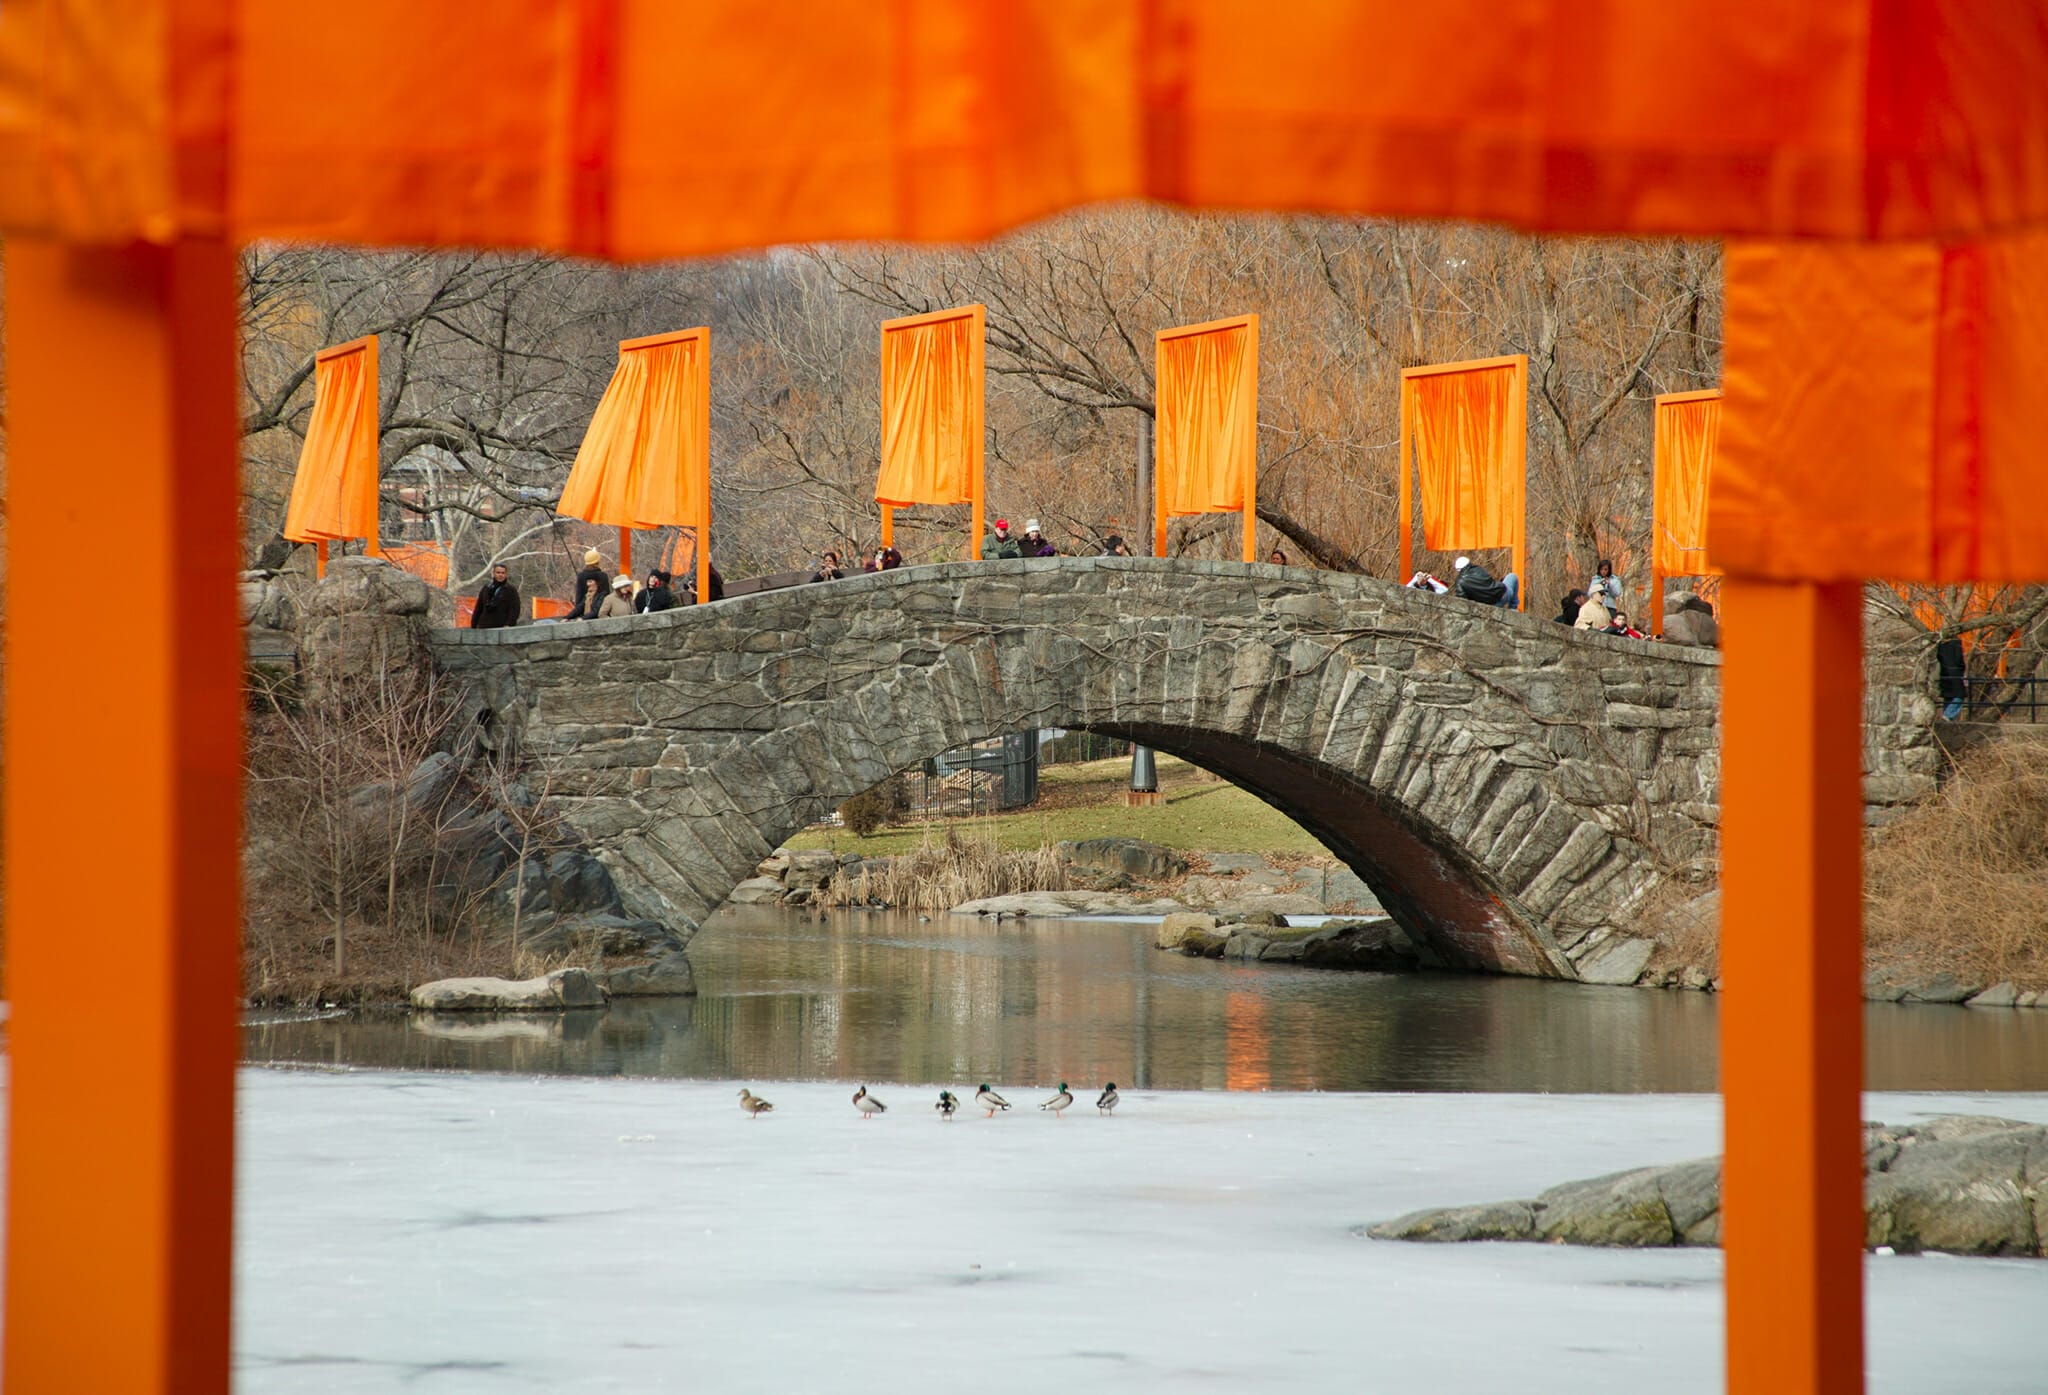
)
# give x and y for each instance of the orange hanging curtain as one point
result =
(334, 493)
(1468, 426)
(1687, 429)
(952, 120)
(1207, 406)
(645, 461)
(1885, 406)
(932, 406)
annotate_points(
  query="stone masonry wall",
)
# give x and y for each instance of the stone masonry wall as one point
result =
(1510, 789)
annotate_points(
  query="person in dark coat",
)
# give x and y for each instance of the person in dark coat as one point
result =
(1115, 546)
(1955, 685)
(592, 583)
(1473, 582)
(1568, 611)
(829, 568)
(717, 582)
(655, 595)
(1035, 543)
(497, 604)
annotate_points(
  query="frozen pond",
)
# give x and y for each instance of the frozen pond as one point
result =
(486, 1233)
(789, 996)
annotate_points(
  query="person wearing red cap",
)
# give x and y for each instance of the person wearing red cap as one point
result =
(1003, 544)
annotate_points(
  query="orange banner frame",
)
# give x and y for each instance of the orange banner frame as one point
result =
(1670, 554)
(1167, 445)
(1518, 445)
(618, 487)
(359, 456)
(976, 420)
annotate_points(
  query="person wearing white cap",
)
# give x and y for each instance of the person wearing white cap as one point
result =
(620, 601)
(1035, 544)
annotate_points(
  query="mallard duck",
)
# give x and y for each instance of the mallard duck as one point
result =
(867, 1104)
(947, 1104)
(1109, 1098)
(991, 1101)
(1059, 1102)
(754, 1104)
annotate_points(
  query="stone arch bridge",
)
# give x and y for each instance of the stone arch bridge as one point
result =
(1513, 792)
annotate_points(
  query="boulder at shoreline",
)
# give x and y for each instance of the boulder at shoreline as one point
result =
(1960, 1184)
(556, 992)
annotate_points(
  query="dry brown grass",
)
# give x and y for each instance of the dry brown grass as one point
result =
(1960, 885)
(943, 872)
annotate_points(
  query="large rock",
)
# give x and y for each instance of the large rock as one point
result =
(755, 891)
(360, 625)
(1960, 1184)
(667, 977)
(810, 871)
(1175, 929)
(1375, 946)
(562, 989)
(1052, 905)
(1616, 961)
(1132, 856)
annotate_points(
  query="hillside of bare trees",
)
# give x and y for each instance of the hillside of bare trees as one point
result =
(492, 365)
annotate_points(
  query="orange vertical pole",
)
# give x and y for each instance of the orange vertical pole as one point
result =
(1518, 416)
(888, 525)
(625, 551)
(1792, 1012)
(120, 1135)
(1407, 534)
(1251, 486)
(320, 558)
(979, 482)
(703, 415)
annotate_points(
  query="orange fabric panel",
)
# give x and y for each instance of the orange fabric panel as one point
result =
(1470, 454)
(544, 608)
(551, 123)
(1207, 404)
(334, 492)
(645, 461)
(1883, 412)
(932, 384)
(1687, 431)
(426, 560)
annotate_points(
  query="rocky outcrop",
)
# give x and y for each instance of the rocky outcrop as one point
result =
(1374, 945)
(363, 623)
(561, 990)
(1960, 1184)
(1134, 857)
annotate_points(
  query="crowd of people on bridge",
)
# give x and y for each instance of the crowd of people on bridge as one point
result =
(599, 595)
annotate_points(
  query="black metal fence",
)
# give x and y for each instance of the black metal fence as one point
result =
(1992, 699)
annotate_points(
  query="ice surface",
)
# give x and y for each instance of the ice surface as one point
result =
(444, 1233)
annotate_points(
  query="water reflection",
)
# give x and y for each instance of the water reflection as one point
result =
(888, 998)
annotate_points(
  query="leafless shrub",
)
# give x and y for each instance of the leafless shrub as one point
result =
(1961, 883)
(943, 872)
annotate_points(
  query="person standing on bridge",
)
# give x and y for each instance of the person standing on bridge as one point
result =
(654, 595)
(1035, 543)
(1568, 608)
(1115, 546)
(620, 601)
(829, 568)
(1605, 587)
(1003, 545)
(497, 605)
(591, 585)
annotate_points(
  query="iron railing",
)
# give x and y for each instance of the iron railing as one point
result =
(1992, 699)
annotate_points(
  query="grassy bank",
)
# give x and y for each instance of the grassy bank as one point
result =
(1198, 813)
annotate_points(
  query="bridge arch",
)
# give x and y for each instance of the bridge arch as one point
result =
(1509, 789)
